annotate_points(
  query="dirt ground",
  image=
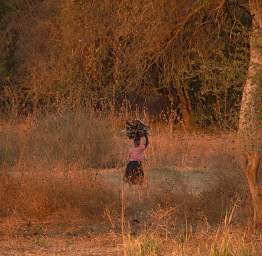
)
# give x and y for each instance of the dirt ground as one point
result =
(81, 238)
(64, 245)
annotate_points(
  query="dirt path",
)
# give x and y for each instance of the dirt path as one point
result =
(159, 180)
(62, 246)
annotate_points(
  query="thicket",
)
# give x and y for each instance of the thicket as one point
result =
(185, 61)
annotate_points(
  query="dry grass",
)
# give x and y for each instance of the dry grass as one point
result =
(226, 241)
(60, 196)
(51, 184)
(223, 241)
(68, 138)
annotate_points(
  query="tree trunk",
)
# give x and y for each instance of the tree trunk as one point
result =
(249, 123)
(251, 172)
(185, 106)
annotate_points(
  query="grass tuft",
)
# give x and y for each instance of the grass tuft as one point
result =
(141, 246)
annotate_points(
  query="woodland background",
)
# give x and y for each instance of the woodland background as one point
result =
(181, 61)
(73, 71)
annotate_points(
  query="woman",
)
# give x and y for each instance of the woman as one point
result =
(134, 170)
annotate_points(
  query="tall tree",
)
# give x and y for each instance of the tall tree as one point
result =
(250, 114)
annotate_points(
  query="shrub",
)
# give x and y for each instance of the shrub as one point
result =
(10, 146)
(48, 194)
(142, 246)
(72, 138)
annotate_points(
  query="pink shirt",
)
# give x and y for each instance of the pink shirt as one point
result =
(137, 153)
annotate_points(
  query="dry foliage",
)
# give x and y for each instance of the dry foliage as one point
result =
(51, 182)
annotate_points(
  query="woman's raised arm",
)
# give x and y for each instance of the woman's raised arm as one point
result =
(147, 141)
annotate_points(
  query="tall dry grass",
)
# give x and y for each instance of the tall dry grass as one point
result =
(80, 141)
(223, 241)
(51, 172)
(68, 138)
(43, 194)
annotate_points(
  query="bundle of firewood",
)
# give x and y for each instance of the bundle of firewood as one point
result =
(135, 129)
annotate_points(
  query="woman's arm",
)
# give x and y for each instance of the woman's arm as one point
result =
(147, 141)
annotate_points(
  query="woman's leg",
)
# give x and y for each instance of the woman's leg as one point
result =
(131, 172)
(140, 174)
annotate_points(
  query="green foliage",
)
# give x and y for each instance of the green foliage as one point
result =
(149, 248)
(5, 8)
(142, 246)
(246, 252)
(223, 250)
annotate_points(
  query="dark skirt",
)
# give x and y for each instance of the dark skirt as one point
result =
(134, 173)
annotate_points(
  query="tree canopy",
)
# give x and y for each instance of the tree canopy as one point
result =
(185, 60)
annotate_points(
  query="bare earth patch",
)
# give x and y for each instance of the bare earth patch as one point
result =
(42, 245)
